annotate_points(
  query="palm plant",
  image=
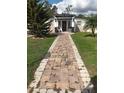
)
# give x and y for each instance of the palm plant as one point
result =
(54, 9)
(91, 23)
(69, 9)
(38, 14)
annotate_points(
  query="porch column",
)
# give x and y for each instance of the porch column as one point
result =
(66, 25)
(61, 23)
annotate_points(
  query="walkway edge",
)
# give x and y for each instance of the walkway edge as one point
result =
(83, 70)
(40, 69)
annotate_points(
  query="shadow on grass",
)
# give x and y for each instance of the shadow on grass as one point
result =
(43, 36)
(94, 82)
(34, 62)
(31, 68)
(90, 35)
(51, 35)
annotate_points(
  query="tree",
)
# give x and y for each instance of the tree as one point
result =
(81, 16)
(38, 14)
(68, 9)
(54, 9)
(91, 23)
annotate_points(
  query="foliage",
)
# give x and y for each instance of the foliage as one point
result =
(81, 16)
(68, 9)
(38, 15)
(54, 9)
(91, 23)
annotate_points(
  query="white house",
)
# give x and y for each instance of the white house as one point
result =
(67, 22)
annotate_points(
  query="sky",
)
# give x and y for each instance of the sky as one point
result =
(54, 1)
(78, 6)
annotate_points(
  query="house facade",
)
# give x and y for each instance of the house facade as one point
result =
(68, 23)
(65, 21)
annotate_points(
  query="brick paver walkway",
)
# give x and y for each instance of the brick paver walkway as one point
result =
(61, 73)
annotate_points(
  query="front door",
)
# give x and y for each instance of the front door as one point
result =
(64, 25)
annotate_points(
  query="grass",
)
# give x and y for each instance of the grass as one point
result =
(36, 50)
(86, 44)
(87, 47)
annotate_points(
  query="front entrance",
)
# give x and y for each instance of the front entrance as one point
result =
(64, 23)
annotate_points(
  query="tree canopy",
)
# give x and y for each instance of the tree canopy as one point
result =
(91, 23)
(38, 14)
(54, 9)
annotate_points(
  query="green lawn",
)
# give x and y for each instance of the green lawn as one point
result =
(87, 47)
(36, 50)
